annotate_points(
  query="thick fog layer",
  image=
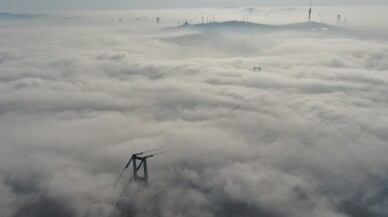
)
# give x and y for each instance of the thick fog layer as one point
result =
(305, 136)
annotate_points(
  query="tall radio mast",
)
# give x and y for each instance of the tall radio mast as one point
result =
(310, 11)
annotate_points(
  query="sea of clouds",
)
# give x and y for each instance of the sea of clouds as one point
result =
(305, 137)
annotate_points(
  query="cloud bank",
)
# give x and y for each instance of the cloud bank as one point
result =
(306, 136)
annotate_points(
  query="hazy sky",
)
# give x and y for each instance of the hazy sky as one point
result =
(25, 5)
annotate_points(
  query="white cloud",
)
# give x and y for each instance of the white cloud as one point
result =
(304, 137)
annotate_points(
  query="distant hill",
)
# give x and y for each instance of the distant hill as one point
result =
(11, 16)
(249, 26)
(311, 26)
(284, 9)
(250, 11)
(232, 25)
(223, 36)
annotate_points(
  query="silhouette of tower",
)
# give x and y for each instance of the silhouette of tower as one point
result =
(310, 11)
(142, 160)
(186, 23)
(339, 20)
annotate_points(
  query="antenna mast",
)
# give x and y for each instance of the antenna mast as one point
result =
(310, 11)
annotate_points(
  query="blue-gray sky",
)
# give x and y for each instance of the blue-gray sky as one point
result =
(25, 5)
